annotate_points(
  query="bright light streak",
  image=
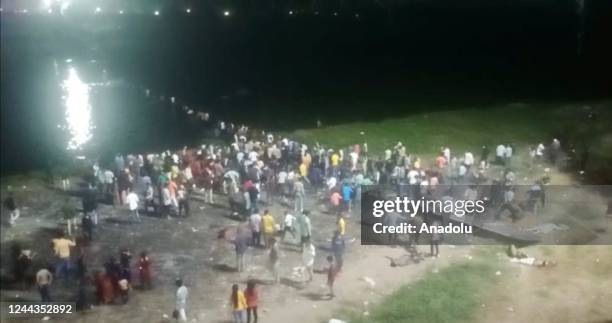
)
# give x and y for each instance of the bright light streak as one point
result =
(188, 10)
(98, 9)
(290, 12)
(156, 12)
(226, 13)
(78, 110)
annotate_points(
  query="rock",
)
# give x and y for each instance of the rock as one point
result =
(498, 273)
(510, 309)
(366, 313)
(165, 316)
(336, 321)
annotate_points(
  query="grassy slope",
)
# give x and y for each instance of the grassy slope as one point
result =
(426, 132)
(451, 295)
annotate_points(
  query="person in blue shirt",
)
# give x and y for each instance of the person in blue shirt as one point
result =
(347, 194)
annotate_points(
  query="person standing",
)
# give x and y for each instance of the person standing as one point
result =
(181, 301)
(500, 154)
(298, 191)
(267, 224)
(338, 249)
(61, 247)
(239, 304)
(434, 243)
(144, 270)
(331, 271)
(288, 225)
(308, 257)
(149, 198)
(274, 259)
(132, 201)
(241, 246)
(166, 202)
(44, 278)
(347, 194)
(183, 201)
(305, 228)
(10, 204)
(255, 225)
(252, 298)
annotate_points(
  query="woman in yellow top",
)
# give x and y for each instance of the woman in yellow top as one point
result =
(239, 304)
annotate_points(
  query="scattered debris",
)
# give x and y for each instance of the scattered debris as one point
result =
(369, 281)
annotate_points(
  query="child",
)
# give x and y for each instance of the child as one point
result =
(252, 297)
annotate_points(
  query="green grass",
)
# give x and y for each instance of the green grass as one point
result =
(451, 295)
(462, 129)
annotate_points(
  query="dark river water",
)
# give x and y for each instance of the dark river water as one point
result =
(78, 83)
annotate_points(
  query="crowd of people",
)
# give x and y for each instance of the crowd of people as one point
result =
(255, 170)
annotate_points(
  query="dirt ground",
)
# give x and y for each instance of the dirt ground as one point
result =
(578, 289)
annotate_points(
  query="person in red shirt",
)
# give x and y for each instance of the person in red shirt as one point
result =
(144, 269)
(252, 298)
(441, 161)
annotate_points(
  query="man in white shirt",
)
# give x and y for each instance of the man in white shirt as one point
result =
(308, 257)
(181, 301)
(132, 201)
(166, 201)
(540, 152)
(508, 155)
(288, 225)
(500, 154)
(331, 183)
(468, 159)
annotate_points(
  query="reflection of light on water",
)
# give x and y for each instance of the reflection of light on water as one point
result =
(78, 110)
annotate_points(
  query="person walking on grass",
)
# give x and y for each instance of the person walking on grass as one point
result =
(239, 304)
(252, 298)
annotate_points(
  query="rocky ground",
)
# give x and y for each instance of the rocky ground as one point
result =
(189, 248)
